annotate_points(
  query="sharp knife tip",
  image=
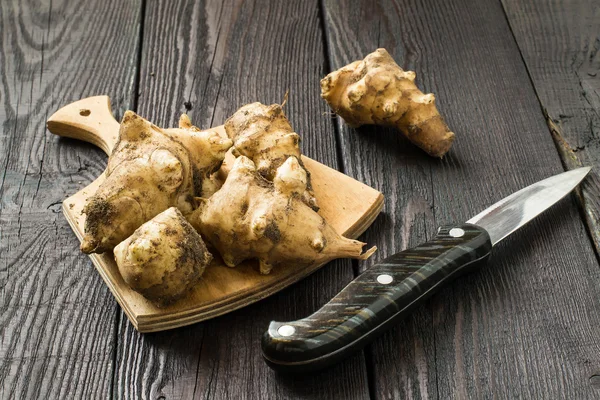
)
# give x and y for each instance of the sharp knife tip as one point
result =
(583, 171)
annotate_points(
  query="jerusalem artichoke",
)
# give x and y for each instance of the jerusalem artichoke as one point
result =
(207, 150)
(163, 258)
(377, 91)
(150, 170)
(268, 221)
(264, 134)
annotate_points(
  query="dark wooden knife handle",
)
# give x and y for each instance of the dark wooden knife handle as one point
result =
(375, 300)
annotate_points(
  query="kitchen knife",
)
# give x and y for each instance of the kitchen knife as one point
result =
(386, 292)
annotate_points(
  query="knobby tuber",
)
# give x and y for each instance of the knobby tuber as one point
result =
(207, 151)
(150, 170)
(163, 258)
(252, 218)
(377, 91)
(264, 134)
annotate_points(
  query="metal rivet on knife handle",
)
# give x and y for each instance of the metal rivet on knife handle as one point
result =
(286, 330)
(385, 279)
(456, 232)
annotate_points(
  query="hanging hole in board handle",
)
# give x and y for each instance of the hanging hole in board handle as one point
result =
(84, 112)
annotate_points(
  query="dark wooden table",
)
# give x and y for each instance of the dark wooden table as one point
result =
(518, 83)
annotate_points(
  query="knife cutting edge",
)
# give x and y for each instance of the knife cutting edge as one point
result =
(386, 292)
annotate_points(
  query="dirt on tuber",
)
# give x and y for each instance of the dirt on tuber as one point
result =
(163, 258)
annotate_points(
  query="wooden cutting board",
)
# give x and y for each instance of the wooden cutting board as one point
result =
(348, 205)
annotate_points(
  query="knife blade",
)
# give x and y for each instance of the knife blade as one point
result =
(386, 292)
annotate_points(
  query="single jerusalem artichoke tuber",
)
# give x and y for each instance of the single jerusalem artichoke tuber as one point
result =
(268, 221)
(264, 134)
(377, 91)
(163, 258)
(150, 170)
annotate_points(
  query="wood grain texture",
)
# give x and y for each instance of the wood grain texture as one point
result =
(560, 43)
(57, 319)
(212, 57)
(525, 326)
(349, 206)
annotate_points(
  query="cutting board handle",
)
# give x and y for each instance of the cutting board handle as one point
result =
(89, 119)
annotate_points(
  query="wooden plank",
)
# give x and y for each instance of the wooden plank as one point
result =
(211, 58)
(527, 325)
(57, 319)
(561, 48)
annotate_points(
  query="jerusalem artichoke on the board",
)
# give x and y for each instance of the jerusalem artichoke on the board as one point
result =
(163, 258)
(207, 150)
(264, 134)
(377, 91)
(252, 218)
(150, 170)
